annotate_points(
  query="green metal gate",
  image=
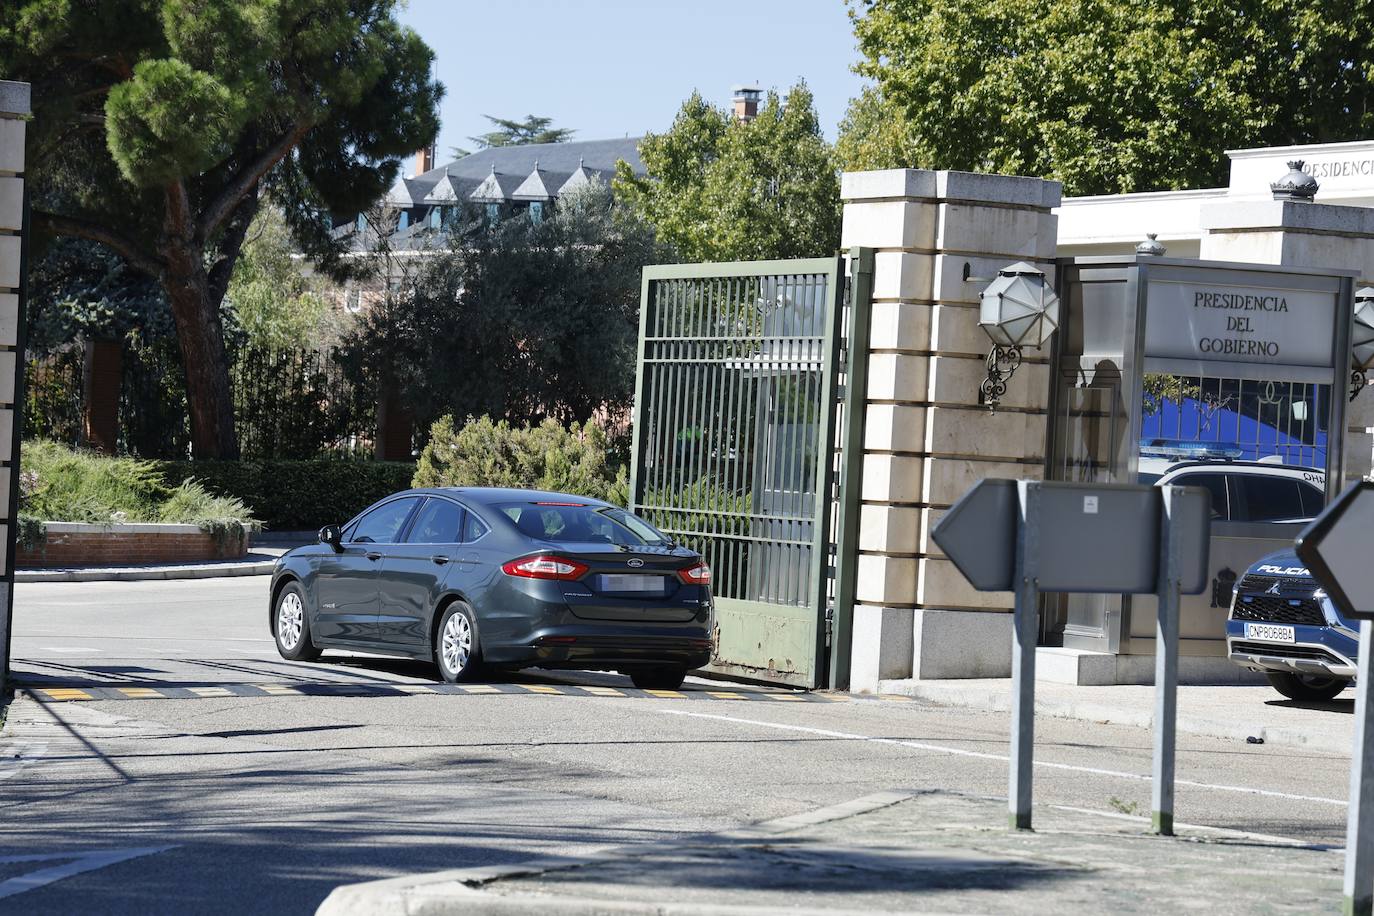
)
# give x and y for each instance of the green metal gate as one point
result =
(734, 446)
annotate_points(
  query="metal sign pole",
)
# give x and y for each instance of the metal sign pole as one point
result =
(1359, 827)
(1166, 668)
(1025, 629)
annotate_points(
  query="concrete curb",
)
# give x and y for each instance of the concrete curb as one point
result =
(1091, 709)
(255, 564)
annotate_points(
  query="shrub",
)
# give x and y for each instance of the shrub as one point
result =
(289, 495)
(66, 485)
(544, 457)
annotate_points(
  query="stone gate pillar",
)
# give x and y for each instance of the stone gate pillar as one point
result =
(927, 438)
(14, 108)
(1298, 233)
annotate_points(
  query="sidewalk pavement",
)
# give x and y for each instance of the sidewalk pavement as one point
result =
(1237, 713)
(258, 562)
(909, 852)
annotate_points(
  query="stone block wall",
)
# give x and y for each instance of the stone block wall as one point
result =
(927, 438)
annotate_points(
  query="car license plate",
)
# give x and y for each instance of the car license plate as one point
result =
(622, 583)
(1269, 632)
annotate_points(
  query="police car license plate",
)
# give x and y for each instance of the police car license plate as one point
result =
(1269, 632)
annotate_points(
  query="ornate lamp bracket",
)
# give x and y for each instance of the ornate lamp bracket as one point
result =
(1002, 363)
(1358, 380)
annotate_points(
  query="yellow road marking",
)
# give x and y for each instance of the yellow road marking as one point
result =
(67, 693)
(786, 697)
(603, 691)
(724, 695)
(540, 688)
(210, 691)
(667, 694)
(139, 693)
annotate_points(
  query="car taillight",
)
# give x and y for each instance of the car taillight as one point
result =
(544, 567)
(696, 575)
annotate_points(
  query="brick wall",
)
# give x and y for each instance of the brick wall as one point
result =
(72, 544)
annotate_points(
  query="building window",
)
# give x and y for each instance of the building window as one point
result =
(362, 221)
(493, 213)
(434, 217)
(404, 220)
(536, 211)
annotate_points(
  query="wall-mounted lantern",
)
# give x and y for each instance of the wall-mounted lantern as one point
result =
(1361, 340)
(1018, 309)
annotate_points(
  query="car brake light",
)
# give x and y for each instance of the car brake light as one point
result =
(544, 567)
(696, 575)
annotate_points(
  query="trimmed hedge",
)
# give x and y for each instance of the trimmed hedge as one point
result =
(296, 495)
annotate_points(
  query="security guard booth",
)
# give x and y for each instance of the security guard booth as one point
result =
(1238, 375)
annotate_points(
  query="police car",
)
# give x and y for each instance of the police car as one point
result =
(1283, 624)
(1242, 491)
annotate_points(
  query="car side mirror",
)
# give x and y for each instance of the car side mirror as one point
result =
(331, 535)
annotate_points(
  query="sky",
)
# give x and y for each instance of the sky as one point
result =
(616, 68)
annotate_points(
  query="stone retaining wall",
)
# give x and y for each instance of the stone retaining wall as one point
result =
(131, 544)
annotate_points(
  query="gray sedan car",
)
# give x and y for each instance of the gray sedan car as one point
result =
(474, 576)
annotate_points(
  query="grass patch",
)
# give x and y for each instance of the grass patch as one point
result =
(59, 484)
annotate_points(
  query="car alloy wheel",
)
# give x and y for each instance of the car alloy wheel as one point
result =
(456, 644)
(290, 620)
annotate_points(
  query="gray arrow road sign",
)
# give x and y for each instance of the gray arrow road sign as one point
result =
(979, 534)
(1335, 548)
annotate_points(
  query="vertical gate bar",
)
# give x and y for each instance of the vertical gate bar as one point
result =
(663, 297)
(639, 415)
(715, 389)
(1166, 669)
(743, 354)
(673, 409)
(1024, 630)
(830, 355)
(851, 464)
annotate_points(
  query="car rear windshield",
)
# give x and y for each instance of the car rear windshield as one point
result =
(553, 521)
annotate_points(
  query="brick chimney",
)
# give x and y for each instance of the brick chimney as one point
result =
(424, 160)
(746, 102)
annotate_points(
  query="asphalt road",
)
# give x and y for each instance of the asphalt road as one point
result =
(229, 780)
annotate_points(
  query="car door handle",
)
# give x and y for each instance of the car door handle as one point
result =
(440, 559)
(374, 556)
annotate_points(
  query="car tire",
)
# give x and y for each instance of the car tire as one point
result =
(1309, 688)
(457, 650)
(658, 678)
(291, 625)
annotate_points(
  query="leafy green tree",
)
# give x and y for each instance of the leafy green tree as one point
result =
(519, 321)
(547, 456)
(1105, 96)
(719, 189)
(533, 129)
(160, 125)
(277, 306)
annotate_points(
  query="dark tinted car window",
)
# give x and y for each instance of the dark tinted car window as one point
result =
(1214, 482)
(1271, 498)
(473, 528)
(588, 524)
(437, 523)
(383, 524)
(1313, 500)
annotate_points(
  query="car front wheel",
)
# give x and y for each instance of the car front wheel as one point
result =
(455, 643)
(291, 626)
(1311, 688)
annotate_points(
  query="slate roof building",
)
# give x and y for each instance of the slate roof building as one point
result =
(504, 179)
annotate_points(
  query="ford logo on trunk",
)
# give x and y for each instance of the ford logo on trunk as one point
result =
(634, 563)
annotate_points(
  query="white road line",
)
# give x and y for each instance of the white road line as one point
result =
(71, 650)
(960, 752)
(78, 862)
